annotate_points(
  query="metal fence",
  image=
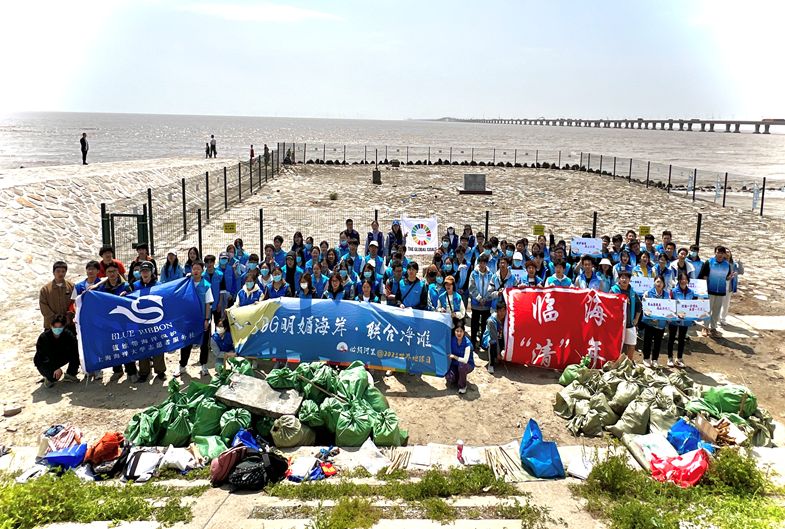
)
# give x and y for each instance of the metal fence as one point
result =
(726, 189)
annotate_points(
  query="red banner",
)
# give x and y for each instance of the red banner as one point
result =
(556, 327)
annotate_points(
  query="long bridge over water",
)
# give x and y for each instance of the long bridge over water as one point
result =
(691, 125)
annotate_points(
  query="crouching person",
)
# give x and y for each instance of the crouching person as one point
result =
(221, 343)
(55, 348)
(495, 331)
(462, 356)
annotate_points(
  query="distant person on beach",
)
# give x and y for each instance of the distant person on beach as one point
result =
(266, 154)
(85, 147)
(207, 149)
(252, 154)
(213, 151)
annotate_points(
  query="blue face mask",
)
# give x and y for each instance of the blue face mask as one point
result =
(509, 253)
(277, 277)
(366, 274)
(693, 254)
(517, 262)
(344, 244)
(265, 272)
(57, 331)
(137, 274)
(448, 268)
(308, 246)
(439, 280)
(299, 259)
(252, 266)
(445, 244)
(249, 285)
(487, 252)
(344, 273)
(223, 262)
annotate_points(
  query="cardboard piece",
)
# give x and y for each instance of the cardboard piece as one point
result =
(258, 397)
(707, 431)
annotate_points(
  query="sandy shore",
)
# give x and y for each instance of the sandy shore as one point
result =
(57, 217)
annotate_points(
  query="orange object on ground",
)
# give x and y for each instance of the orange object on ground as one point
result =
(107, 448)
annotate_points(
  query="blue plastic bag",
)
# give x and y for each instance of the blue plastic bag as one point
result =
(539, 457)
(70, 457)
(245, 437)
(686, 438)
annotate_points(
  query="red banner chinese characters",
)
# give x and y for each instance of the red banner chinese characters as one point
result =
(556, 327)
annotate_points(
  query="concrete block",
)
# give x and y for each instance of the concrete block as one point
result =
(258, 397)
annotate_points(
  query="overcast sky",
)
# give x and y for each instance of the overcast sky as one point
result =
(396, 59)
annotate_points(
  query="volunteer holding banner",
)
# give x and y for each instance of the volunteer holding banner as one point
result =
(656, 299)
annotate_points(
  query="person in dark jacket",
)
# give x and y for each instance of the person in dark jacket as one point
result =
(85, 147)
(55, 348)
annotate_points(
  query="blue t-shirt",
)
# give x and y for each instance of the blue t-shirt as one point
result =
(555, 281)
(718, 277)
(459, 349)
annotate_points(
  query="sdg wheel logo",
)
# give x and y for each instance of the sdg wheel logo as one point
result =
(421, 234)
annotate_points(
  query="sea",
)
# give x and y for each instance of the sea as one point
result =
(52, 139)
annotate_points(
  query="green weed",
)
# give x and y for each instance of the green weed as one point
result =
(531, 516)
(353, 513)
(439, 510)
(398, 474)
(356, 472)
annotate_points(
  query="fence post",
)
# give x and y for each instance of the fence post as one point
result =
(588, 162)
(536, 157)
(142, 232)
(694, 184)
(494, 156)
(305, 152)
(614, 168)
(185, 223)
(366, 154)
(265, 172)
(581, 162)
(324, 153)
(559, 159)
(385, 154)
(240, 182)
(762, 196)
(377, 158)
(261, 231)
(344, 154)
(601, 164)
(472, 153)
(450, 155)
(698, 232)
(724, 189)
(199, 227)
(629, 176)
(648, 168)
(487, 218)
(670, 170)
(259, 167)
(594, 227)
(407, 155)
(250, 177)
(376, 215)
(207, 195)
(226, 198)
(429, 155)
(105, 227)
(515, 157)
(150, 218)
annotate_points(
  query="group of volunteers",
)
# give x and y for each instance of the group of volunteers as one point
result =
(466, 278)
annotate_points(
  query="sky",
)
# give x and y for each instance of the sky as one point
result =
(385, 59)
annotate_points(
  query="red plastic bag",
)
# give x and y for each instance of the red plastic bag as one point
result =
(684, 470)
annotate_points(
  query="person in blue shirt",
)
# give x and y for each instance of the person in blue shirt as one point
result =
(634, 309)
(643, 268)
(217, 287)
(605, 251)
(450, 302)
(265, 276)
(558, 255)
(650, 248)
(622, 265)
(587, 278)
(467, 232)
(348, 278)
(617, 249)
(412, 292)
(373, 256)
(694, 259)
(158, 361)
(221, 343)
(543, 272)
(171, 269)
(335, 289)
(502, 280)
(558, 279)
(717, 272)
(678, 329)
(393, 282)
(670, 252)
(461, 359)
(369, 274)
(487, 249)
(251, 292)
(732, 287)
(331, 259)
(297, 242)
(343, 246)
(448, 267)
(480, 290)
(91, 270)
(240, 254)
(314, 256)
(146, 279)
(366, 292)
(666, 238)
(350, 232)
(452, 238)
(231, 280)
(318, 280)
(509, 251)
(653, 330)
(461, 270)
(252, 265)
(205, 295)
(133, 271)
(291, 271)
(531, 279)
(605, 274)
(435, 286)
(278, 287)
(306, 289)
(375, 236)
(494, 329)
(308, 246)
(664, 269)
(193, 255)
(394, 238)
(114, 284)
(445, 247)
(681, 265)
(476, 249)
(357, 260)
(279, 254)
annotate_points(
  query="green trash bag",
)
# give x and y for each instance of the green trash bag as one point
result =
(577, 391)
(288, 431)
(729, 399)
(635, 419)
(240, 365)
(352, 382)
(571, 371)
(210, 446)
(681, 380)
(233, 421)
(762, 427)
(329, 410)
(305, 370)
(600, 404)
(612, 380)
(264, 425)
(178, 433)
(221, 378)
(387, 431)
(564, 405)
(309, 414)
(376, 399)
(207, 419)
(324, 377)
(354, 427)
(168, 412)
(197, 389)
(589, 424)
(663, 414)
(698, 405)
(626, 392)
(282, 379)
(144, 427)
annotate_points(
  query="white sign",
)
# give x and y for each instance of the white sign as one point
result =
(520, 274)
(659, 309)
(717, 190)
(755, 196)
(580, 246)
(699, 287)
(694, 309)
(421, 235)
(691, 183)
(641, 284)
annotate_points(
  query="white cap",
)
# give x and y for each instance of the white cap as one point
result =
(173, 251)
(606, 261)
(373, 243)
(518, 256)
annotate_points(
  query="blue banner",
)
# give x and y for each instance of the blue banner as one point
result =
(342, 332)
(115, 330)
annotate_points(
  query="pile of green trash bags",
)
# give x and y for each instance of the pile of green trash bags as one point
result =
(358, 410)
(624, 398)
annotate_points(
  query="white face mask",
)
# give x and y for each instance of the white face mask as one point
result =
(220, 330)
(59, 284)
(303, 285)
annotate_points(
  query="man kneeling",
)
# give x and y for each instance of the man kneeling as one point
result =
(55, 348)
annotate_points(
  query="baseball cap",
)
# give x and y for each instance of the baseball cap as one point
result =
(172, 251)
(396, 222)
(373, 243)
(518, 256)
(223, 255)
(146, 265)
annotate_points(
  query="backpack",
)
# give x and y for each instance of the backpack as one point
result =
(224, 464)
(142, 465)
(257, 470)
